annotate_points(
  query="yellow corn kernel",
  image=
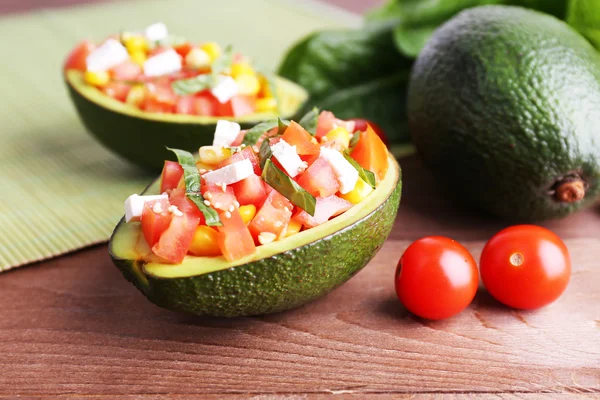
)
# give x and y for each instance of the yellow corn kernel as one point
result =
(136, 95)
(213, 49)
(241, 68)
(359, 193)
(266, 104)
(265, 88)
(247, 212)
(197, 58)
(293, 228)
(248, 85)
(340, 135)
(138, 57)
(134, 43)
(202, 168)
(205, 242)
(213, 155)
(100, 78)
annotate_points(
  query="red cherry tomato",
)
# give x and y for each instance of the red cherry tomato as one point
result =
(525, 266)
(361, 125)
(436, 278)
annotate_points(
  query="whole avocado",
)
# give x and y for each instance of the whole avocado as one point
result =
(504, 108)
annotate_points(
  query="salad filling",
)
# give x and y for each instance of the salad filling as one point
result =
(161, 73)
(258, 186)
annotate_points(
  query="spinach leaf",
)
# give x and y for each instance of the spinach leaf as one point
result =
(265, 152)
(253, 134)
(363, 173)
(287, 187)
(281, 126)
(354, 73)
(191, 177)
(309, 121)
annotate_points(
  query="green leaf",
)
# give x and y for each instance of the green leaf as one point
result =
(355, 73)
(584, 15)
(285, 185)
(170, 41)
(265, 152)
(253, 134)
(191, 177)
(223, 62)
(282, 126)
(193, 85)
(309, 121)
(354, 139)
(363, 173)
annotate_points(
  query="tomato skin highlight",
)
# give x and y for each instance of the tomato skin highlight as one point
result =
(525, 266)
(436, 278)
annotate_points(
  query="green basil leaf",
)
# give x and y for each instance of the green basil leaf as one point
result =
(309, 121)
(193, 85)
(253, 134)
(355, 73)
(282, 126)
(191, 177)
(354, 139)
(584, 15)
(285, 185)
(265, 152)
(363, 173)
(222, 63)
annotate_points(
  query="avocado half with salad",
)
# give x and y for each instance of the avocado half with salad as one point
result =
(161, 90)
(285, 216)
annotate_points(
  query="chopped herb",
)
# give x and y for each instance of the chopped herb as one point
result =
(285, 185)
(363, 173)
(355, 138)
(191, 177)
(222, 63)
(265, 152)
(282, 126)
(253, 134)
(193, 85)
(309, 121)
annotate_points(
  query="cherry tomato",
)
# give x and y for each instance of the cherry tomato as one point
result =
(436, 278)
(525, 266)
(361, 125)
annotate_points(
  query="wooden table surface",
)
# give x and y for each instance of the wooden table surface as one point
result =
(73, 326)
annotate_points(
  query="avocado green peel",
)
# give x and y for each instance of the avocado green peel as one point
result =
(279, 276)
(142, 137)
(504, 107)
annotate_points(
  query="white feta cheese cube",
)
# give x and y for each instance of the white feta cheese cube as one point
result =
(109, 54)
(156, 32)
(229, 174)
(163, 63)
(226, 133)
(225, 89)
(346, 174)
(134, 205)
(288, 158)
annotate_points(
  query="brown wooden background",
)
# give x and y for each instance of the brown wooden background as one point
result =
(73, 327)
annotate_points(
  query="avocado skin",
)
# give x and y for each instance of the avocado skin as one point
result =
(284, 281)
(503, 102)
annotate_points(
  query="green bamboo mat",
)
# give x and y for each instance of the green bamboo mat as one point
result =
(60, 190)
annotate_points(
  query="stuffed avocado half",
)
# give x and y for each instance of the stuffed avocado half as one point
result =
(155, 89)
(311, 225)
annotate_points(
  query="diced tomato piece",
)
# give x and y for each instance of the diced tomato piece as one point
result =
(310, 158)
(236, 107)
(319, 179)
(175, 241)
(171, 174)
(183, 49)
(126, 71)
(178, 198)
(77, 57)
(297, 136)
(204, 104)
(235, 240)
(117, 90)
(250, 191)
(266, 135)
(246, 153)
(154, 224)
(159, 98)
(371, 153)
(186, 105)
(361, 125)
(239, 139)
(273, 216)
(219, 199)
(327, 121)
(325, 208)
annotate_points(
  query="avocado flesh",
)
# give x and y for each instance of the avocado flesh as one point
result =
(279, 276)
(504, 105)
(141, 137)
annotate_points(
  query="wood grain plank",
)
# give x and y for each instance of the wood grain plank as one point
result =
(75, 326)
